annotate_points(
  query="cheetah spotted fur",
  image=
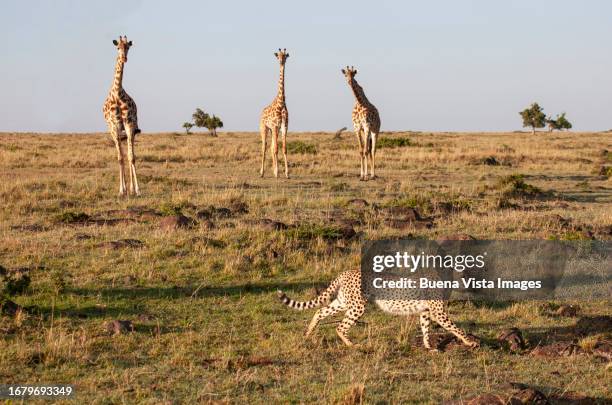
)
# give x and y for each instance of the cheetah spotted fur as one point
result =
(345, 294)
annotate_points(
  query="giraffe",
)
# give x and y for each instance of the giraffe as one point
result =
(120, 114)
(275, 118)
(366, 123)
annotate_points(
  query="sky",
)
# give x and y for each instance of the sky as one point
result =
(438, 65)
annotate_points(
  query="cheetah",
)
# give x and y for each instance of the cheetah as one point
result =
(345, 294)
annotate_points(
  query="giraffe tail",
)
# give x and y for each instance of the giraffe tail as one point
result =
(324, 297)
(137, 131)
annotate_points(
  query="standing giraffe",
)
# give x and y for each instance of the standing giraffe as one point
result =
(275, 118)
(366, 123)
(120, 114)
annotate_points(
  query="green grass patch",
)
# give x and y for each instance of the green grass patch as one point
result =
(300, 147)
(72, 217)
(393, 142)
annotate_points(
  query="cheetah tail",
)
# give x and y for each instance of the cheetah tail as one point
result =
(324, 297)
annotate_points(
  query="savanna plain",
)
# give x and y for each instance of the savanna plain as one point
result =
(191, 267)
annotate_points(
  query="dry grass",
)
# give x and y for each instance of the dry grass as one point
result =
(207, 324)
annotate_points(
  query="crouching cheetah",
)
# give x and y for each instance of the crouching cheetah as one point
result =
(349, 298)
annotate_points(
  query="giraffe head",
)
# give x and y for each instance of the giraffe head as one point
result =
(123, 46)
(349, 73)
(282, 56)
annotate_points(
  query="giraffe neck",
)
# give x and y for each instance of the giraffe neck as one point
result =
(358, 92)
(118, 80)
(280, 97)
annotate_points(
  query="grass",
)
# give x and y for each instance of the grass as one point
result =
(208, 327)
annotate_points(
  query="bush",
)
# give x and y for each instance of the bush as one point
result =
(514, 186)
(71, 217)
(301, 148)
(393, 142)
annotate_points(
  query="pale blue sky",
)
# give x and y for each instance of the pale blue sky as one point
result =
(427, 65)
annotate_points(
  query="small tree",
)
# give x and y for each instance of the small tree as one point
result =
(533, 117)
(187, 126)
(200, 118)
(560, 123)
(212, 123)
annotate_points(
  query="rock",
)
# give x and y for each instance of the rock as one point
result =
(405, 213)
(357, 203)
(238, 207)
(222, 212)
(513, 338)
(119, 327)
(567, 310)
(8, 307)
(557, 350)
(204, 214)
(528, 396)
(346, 231)
(176, 222)
(122, 244)
(82, 236)
(603, 350)
(490, 161)
(145, 318)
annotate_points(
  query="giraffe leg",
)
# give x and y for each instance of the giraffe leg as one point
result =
(439, 315)
(284, 136)
(373, 154)
(333, 308)
(134, 189)
(263, 132)
(352, 315)
(358, 133)
(116, 135)
(274, 150)
(365, 152)
(425, 320)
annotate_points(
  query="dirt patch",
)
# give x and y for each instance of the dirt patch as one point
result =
(558, 349)
(518, 393)
(444, 341)
(268, 224)
(174, 222)
(119, 327)
(455, 236)
(512, 339)
(29, 228)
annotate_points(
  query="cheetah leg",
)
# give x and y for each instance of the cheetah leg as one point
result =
(332, 309)
(134, 189)
(274, 150)
(284, 136)
(263, 131)
(439, 315)
(115, 133)
(425, 320)
(352, 315)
